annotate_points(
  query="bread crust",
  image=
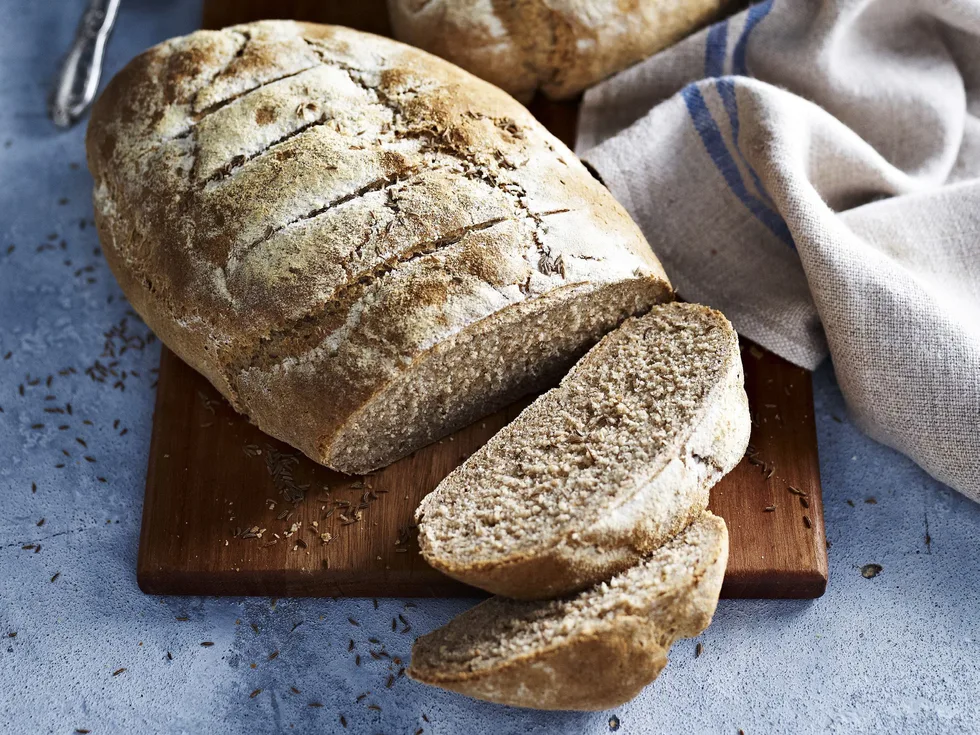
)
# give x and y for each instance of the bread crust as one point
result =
(605, 663)
(593, 672)
(305, 213)
(560, 47)
(587, 553)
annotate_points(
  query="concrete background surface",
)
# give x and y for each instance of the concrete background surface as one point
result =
(82, 648)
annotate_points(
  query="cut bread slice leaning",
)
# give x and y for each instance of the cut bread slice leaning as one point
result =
(601, 470)
(592, 651)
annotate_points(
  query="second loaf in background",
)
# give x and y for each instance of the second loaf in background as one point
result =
(560, 47)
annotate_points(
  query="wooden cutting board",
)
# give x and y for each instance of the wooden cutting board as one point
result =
(231, 511)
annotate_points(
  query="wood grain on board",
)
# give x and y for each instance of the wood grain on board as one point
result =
(211, 473)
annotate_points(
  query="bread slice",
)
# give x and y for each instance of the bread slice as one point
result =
(604, 468)
(592, 651)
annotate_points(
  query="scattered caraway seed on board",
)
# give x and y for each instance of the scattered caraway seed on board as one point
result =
(55, 577)
(343, 721)
(316, 704)
(698, 650)
(807, 522)
(207, 644)
(870, 571)
(255, 693)
(769, 508)
(117, 672)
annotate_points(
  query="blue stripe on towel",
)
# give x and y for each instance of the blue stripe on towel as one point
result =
(726, 90)
(714, 144)
(753, 17)
(715, 49)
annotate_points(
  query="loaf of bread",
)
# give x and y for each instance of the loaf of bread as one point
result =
(602, 469)
(558, 46)
(362, 246)
(592, 651)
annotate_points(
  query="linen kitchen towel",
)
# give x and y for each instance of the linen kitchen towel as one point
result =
(812, 169)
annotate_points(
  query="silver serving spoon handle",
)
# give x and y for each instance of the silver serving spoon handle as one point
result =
(81, 70)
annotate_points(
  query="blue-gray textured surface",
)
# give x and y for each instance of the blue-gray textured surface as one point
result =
(85, 649)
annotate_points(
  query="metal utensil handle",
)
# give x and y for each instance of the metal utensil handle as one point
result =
(78, 81)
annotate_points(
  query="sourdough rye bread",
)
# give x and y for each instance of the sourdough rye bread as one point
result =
(602, 469)
(592, 651)
(558, 46)
(360, 245)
